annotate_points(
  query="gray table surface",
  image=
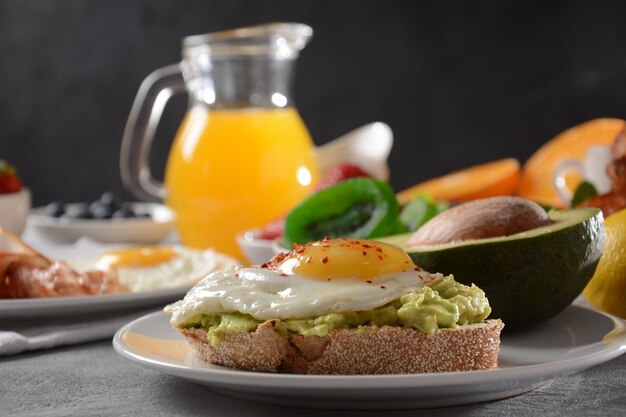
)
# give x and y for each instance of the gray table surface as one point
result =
(92, 380)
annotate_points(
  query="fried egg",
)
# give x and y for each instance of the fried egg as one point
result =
(149, 268)
(329, 276)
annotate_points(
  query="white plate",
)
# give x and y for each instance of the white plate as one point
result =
(576, 339)
(63, 306)
(89, 304)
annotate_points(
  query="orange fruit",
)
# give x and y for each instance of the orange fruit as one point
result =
(480, 181)
(536, 182)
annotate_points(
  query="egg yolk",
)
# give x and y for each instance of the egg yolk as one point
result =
(346, 258)
(136, 257)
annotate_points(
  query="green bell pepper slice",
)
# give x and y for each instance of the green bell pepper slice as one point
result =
(355, 208)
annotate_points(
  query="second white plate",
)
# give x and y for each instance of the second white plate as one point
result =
(576, 339)
(84, 248)
(70, 306)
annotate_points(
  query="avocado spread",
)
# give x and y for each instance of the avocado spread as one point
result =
(443, 304)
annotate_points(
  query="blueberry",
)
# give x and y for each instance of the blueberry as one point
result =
(108, 198)
(100, 211)
(128, 206)
(123, 213)
(105, 207)
(95, 206)
(78, 211)
(55, 209)
(130, 209)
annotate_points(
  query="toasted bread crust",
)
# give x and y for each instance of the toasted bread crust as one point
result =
(376, 350)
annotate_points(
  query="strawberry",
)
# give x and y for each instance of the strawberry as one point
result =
(332, 176)
(273, 229)
(340, 173)
(9, 181)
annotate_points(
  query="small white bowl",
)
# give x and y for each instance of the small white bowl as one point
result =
(14, 209)
(257, 250)
(140, 230)
(277, 246)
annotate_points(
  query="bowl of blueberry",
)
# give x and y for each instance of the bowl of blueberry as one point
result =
(106, 220)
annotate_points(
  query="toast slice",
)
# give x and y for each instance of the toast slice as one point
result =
(364, 351)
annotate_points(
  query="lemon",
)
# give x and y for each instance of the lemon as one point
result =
(607, 289)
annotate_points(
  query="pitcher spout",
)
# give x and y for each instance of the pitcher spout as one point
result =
(279, 40)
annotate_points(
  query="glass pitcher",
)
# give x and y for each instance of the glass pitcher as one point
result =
(242, 155)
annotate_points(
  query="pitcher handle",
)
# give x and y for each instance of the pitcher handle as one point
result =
(153, 94)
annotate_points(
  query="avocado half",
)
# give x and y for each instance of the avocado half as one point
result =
(528, 277)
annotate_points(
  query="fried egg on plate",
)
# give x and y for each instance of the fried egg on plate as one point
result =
(329, 276)
(149, 268)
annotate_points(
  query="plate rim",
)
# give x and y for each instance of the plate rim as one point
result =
(230, 377)
(89, 299)
(30, 308)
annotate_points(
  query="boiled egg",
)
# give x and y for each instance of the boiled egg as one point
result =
(329, 276)
(150, 268)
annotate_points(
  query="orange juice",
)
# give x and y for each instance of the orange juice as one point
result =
(230, 170)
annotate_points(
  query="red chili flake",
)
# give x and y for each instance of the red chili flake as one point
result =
(308, 260)
(325, 259)
(406, 262)
(379, 249)
(273, 263)
(366, 246)
(327, 279)
(283, 275)
(383, 287)
(417, 268)
(364, 253)
(380, 257)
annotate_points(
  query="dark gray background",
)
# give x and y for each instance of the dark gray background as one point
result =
(460, 82)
